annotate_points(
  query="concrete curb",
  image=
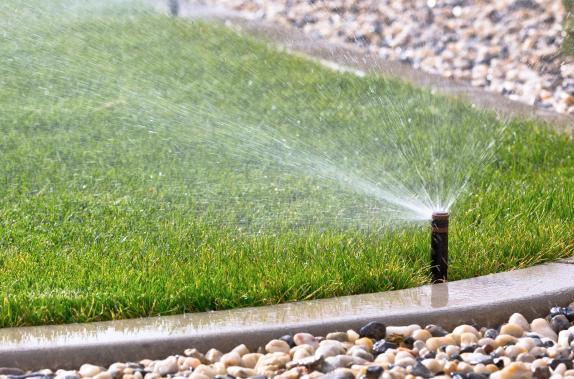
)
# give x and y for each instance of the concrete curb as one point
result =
(347, 55)
(486, 301)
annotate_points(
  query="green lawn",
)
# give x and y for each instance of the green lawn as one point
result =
(153, 166)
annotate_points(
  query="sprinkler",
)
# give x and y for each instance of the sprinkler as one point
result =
(174, 7)
(439, 246)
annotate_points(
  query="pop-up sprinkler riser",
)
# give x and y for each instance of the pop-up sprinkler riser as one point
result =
(439, 247)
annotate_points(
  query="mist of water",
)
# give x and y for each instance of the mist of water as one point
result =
(369, 161)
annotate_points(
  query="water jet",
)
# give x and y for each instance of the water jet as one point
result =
(439, 246)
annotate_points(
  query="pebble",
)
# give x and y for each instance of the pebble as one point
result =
(559, 323)
(382, 346)
(421, 335)
(541, 327)
(374, 330)
(435, 342)
(213, 356)
(278, 346)
(541, 373)
(512, 330)
(89, 371)
(305, 339)
(436, 331)
(339, 336)
(519, 320)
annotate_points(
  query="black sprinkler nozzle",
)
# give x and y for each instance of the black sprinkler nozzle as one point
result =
(439, 247)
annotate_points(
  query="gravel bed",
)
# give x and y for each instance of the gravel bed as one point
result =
(507, 46)
(542, 349)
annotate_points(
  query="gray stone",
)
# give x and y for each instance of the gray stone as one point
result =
(374, 330)
(421, 370)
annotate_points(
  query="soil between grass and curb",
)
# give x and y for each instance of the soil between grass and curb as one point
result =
(349, 57)
(484, 301)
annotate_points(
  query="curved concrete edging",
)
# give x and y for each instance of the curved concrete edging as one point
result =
(486, 301)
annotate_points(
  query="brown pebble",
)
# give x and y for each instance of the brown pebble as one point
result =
(571, 306)
(488, 349)
(541, 373)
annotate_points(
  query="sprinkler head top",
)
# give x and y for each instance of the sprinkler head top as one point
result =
(440, 215)
(439, 222)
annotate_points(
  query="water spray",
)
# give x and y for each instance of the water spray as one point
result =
(439, 247)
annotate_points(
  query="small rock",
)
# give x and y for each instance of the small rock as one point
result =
(278, 346)
(518, 319)
(329, 351)
(381, 346)
(436, 331)
(89, 371)
(488, 349)
(512, 330)
(365, 343)
(421, 370)
(289, 339)
(213, 356)
(525, 357)
(231, 359)
(553, 363)
(165, 367)
(435, 342)
(466, 329)
(374, 330)
(515, 370)
(305, 338)
(421, 335)
(373, 372)
(352, 336)
(492, 333)
(338, 336)
(250, 360)
(559, 323)
(241, 350)
(484, 359)
(312, 363)
(541, 327)
(103, 375)
(541, 373)
(194, 353)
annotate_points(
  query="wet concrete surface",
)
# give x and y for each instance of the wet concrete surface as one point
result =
(486, 301)
(351, 56)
